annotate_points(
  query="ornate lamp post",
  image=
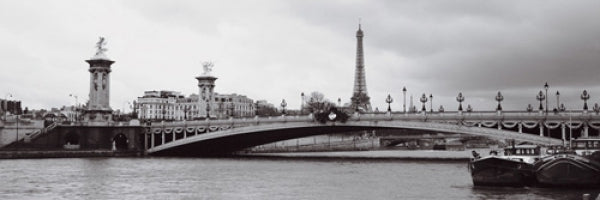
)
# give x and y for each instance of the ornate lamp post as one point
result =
(557, 100)
(389, 101)
(540, 97)
(546, 87)
(302, 103)
(431, 102)
(585, 96)
(283, 105)
(423, 100)
(404, 96)
(499, 98)
(460, 98)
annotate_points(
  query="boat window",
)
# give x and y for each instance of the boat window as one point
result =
(596, 144)
(580, 144)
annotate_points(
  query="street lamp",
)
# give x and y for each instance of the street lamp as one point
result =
(404, 96)
(557, 100)
(585, 96)
(423, 100)
(546, 87)
(301, 103)
(499, 99)
(460, 98)
(283, 105)
(389, 101)
(540, 97)
(431, 102)
(6, 105)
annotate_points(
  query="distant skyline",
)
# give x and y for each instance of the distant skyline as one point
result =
(275, 50)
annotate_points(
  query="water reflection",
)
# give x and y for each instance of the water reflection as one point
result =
(249, 178)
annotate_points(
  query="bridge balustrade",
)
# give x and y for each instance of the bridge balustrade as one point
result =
(436, 121)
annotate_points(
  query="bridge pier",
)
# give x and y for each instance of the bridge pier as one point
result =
(520, 128)
(174, 134)
(585, 130)
(163, 138)
(541, 129)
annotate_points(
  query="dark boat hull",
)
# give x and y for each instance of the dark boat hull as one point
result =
(495, 171)
(567, 171)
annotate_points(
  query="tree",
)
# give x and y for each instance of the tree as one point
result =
(316, 103)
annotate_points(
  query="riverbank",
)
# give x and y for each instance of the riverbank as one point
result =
(432, 155)
(67, 154)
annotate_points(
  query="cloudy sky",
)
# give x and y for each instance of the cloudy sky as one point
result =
(275, 50)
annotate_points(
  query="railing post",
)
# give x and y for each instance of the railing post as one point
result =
(174, 134)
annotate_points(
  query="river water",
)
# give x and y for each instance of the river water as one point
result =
(250, 178)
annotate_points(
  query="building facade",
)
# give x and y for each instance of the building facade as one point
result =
(174, 106)
(8, 107)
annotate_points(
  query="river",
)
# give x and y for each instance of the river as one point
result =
(250, 178)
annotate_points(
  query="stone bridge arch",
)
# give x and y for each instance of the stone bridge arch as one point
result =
(234, 139)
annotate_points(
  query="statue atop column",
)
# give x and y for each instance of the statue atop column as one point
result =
(207, 66)
(100, 49)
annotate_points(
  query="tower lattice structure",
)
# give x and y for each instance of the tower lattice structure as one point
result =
(360, 98)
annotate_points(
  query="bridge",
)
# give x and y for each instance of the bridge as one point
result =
(193, 138)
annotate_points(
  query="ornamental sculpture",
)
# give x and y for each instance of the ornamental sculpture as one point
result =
(101, 47)
(207, 66)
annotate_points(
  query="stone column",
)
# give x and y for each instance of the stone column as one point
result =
(163, 138)
(145, 142)
(152, 139)
(563, 132)
(541, 129)
(520, 128)
(585, 130)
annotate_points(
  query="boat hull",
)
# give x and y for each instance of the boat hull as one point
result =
(496, 171)
(567, 171)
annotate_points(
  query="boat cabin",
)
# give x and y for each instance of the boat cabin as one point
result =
(522, 150)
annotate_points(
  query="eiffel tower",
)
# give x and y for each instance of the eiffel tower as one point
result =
(360, 99)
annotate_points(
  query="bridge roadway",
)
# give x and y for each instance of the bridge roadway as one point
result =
(191, 138)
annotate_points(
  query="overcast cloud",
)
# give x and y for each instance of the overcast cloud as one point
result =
(275, 50)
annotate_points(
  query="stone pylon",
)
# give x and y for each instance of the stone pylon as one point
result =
(98, 107)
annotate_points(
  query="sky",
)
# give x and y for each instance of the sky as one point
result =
(276, 50)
